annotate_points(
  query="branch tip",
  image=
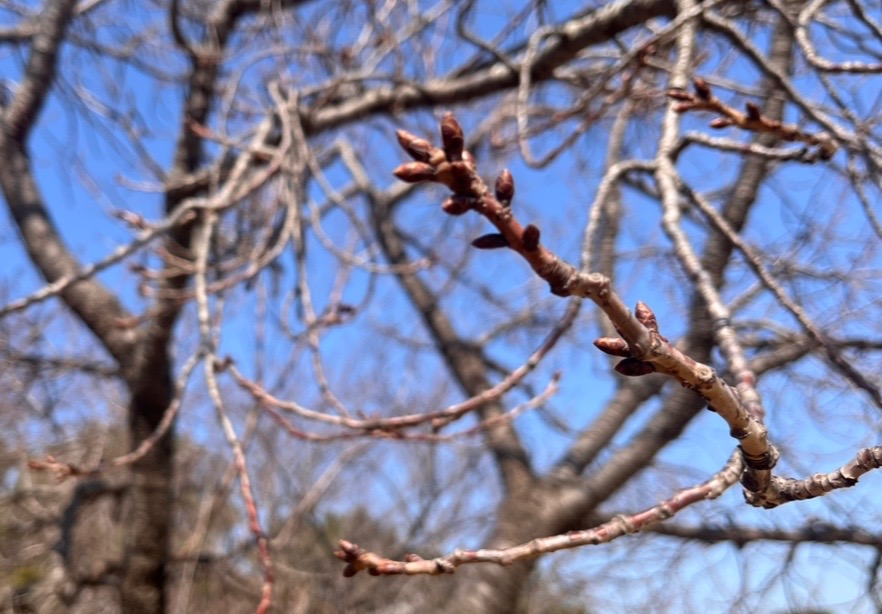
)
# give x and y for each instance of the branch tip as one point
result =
(415, 172)
(452, 137)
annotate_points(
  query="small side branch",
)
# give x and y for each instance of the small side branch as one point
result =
(358, 559)
(752, 119)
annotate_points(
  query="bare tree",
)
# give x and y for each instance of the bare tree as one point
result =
(253, 279)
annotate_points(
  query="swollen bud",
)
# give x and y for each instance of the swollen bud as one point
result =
(702, 89)
(417, 148)
(452, 137)
(679, 94)
(682, 107)
(530, 238)
(634, 368)
(720, 123)
(613, 346)
(753, 111)
(645, 316)
(415, 172)
(505, 187)
(490, 241)
(457, 205)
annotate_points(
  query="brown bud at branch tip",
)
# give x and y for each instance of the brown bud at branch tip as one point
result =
(490, 241)
(417, 148)
(613, 346)
(702, 89)
(505, 187)
(530, 238)
(414, 172)
(633, 367)
(452, 137)
(682, 107)
(678, 94)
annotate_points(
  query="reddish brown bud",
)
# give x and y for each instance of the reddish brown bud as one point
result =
(490, 241)
(452, 137)
(613, 346)
(702, 89)
(417, 148)
(645, 316)
(349, 571)
(634, 368)
(457, 205)
(348, 547)
(505, 187)
(414, 172)
(753, 111)
(828, 146)
(720, 123)
(530, 238)
(679, 94)
(682, 107)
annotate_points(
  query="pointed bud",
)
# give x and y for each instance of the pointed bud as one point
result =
(505, 187)
(452, 137)
(720, 123)
(634, 368)
(414, 172)
(417, 148)
(753, 112)
(530, 238)
(457, 205)
(490, 241)
(702, 89)
(645, 316)
(679, 94)
(682, 107)
(613, 346)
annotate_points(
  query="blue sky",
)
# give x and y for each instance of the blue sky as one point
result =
(84, 175)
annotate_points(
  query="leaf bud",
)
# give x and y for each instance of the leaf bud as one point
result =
(452, 137)
(456, 205)
(702, 89)
(415, 172)
(417, 148)
(490, 241)
(530, 238)
(613, 346)
(634, 368)
(505, 187)
(753, 112)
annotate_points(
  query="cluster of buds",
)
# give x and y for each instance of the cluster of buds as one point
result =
(453, 166)
(615, 346)
(703, 99)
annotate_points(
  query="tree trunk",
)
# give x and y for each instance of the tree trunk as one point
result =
(148, 517)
